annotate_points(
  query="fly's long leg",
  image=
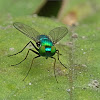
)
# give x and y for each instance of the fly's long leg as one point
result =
(59, 60)
(30, 67)
(24, 48)
(54, 68)
(26, 56)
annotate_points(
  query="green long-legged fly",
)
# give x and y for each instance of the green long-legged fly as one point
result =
(44, 44)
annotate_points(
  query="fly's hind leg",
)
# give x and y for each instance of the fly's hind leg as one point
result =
(30, 66)
(54, 69)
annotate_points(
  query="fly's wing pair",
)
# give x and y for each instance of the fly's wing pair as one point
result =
(56, 34)
(27, 30)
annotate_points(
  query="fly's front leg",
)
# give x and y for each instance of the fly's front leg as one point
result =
(26, 56)
(57, 51)
(24, 48)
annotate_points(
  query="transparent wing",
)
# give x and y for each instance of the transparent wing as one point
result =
(27, 30)
(58, 33)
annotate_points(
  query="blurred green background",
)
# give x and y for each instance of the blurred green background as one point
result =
(80, 50)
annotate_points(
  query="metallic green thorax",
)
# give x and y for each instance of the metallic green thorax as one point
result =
(46, 46)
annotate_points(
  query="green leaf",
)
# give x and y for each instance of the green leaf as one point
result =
(83, 55)
(19, 7)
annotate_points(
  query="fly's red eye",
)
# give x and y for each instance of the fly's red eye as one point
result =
(38, 44)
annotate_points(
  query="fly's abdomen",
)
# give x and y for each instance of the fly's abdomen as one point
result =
(44, 40)
(47, 51)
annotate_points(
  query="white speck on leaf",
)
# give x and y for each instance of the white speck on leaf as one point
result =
(11, 49)
(68, 90)
(84, 52)
(30, 83)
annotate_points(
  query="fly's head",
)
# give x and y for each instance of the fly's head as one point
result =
(47, 51)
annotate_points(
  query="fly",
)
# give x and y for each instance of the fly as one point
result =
(45, 45)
